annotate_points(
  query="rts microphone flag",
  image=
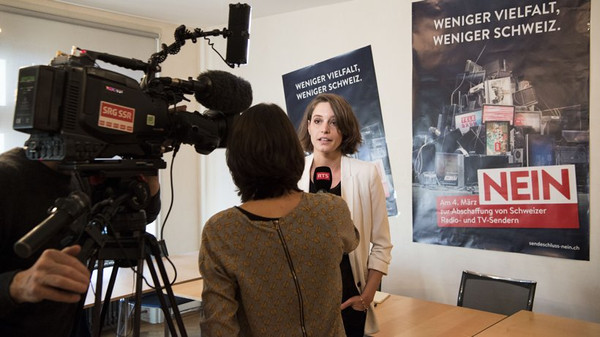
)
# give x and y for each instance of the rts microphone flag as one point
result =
(322, 179)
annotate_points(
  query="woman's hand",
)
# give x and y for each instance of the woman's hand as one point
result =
(358, 303)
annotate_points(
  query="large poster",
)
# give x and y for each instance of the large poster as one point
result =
(501, 125)
(351, 75)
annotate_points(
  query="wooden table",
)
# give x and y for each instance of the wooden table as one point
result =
(191, 289)
(528, 323)
(403, 316)
(186, 266)
(406, 316)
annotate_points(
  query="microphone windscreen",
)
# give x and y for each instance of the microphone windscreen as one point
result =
(226, 92)
(322, 178)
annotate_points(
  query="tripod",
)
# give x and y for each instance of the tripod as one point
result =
(137, 250)
(112, 229)
(128, 245)
(126, 252)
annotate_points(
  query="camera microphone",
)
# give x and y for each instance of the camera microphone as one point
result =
(322, 179)
(216, 90)
(224, 92)
(129, 63)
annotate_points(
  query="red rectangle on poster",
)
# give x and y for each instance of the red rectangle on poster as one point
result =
(465, 211)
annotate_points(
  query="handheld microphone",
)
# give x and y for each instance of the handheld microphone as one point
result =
(67, 210)
(322, 179)
(238, 33)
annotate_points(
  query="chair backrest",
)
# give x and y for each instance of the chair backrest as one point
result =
(493, 293)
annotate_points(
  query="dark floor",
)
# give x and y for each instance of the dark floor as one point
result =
(191, 321)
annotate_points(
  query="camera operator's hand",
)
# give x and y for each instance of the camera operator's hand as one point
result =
(57, 276)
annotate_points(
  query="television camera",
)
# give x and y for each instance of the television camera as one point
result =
(97, 122)
(76, 112)
(111, 129)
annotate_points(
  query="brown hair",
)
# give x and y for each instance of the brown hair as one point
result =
(347, 123)
(264, 155)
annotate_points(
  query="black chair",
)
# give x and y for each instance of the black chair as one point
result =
(496, 294)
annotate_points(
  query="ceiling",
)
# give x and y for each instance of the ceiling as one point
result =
(195, 13)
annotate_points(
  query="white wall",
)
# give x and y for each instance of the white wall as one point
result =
(284, 43)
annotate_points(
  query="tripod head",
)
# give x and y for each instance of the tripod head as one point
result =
(113, 205)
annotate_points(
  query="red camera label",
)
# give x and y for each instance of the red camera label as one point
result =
(116, 117)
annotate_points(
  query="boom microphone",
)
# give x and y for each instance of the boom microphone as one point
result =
(223, 91)
(322, 179)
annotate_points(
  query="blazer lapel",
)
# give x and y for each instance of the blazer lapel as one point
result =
(304, 183)
(347, 183)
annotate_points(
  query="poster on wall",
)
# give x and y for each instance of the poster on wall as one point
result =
(351, 75)
(501, 125)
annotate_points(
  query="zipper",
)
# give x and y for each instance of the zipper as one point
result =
(294, 276)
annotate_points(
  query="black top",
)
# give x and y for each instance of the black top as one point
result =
(349, 288)
(253, 216)
(29, 188)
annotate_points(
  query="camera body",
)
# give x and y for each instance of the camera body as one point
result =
(77, 113)
(114, 130)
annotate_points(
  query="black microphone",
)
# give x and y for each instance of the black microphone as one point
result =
(223, 91)
(66, 211)
(216, 90)
(322, 179)
(237, 34)
(129, 63)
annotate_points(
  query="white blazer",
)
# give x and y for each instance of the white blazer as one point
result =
(363, 191)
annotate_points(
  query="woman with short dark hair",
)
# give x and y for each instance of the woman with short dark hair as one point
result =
(271, 265)
(264, 158)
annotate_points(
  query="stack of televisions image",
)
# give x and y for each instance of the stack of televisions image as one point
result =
(497, 122)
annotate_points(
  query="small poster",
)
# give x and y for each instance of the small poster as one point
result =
(496, 134)
(498, 91)
(351, 75)
(465, 121)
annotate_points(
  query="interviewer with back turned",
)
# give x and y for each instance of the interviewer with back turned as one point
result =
(39, 296)
(271, 265)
